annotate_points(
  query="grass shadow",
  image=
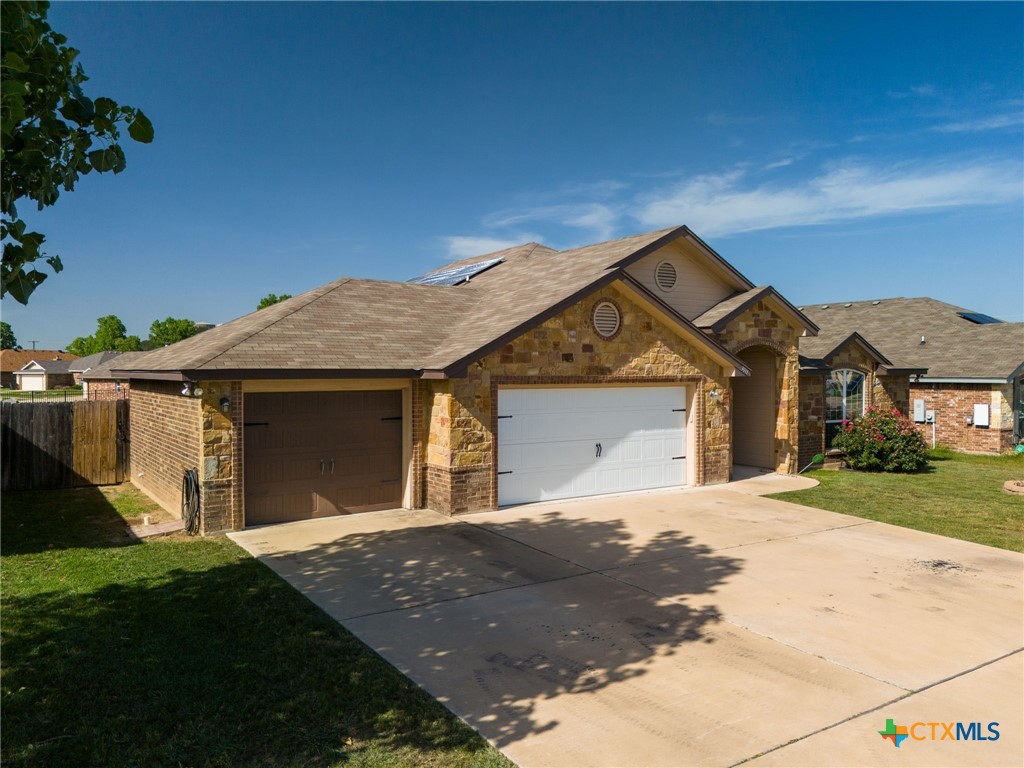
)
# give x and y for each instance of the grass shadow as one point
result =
(43, 521)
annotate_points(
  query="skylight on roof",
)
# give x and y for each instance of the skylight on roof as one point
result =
(456, 275)
(980, 319)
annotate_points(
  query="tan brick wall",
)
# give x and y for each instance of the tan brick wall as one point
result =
(461, 452)
(165, 440)
(763, 325)
(954, 405)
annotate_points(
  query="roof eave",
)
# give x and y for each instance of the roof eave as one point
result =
(238, 374)
(713, 347)
(766, 292)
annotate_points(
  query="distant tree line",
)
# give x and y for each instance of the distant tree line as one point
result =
(111, 334)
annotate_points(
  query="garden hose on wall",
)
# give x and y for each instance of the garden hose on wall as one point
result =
(190, 501)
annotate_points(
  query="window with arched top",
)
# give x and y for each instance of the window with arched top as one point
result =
(844, 400)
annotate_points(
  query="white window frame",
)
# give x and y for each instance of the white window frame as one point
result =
(847, 414)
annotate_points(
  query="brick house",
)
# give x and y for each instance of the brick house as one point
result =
(45, 373)
(963, 366)
(100, 382)
(83, 365)
(13, 360)
(511, 377)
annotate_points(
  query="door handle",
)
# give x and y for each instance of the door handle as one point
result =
(322, 462)
(332, 467)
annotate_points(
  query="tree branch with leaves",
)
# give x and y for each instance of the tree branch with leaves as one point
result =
(52, 135)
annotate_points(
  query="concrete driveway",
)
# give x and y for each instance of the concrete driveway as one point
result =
(681, 628)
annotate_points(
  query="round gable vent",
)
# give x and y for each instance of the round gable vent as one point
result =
(606, 319)
(665, 275)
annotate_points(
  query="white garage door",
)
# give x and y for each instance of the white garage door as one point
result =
(559, 443)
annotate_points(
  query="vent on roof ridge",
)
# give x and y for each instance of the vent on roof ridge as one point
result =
(456, 275)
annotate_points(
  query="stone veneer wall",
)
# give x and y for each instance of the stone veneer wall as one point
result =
(880, 392)
(954, 405)
(461, 453)
(763, 326)
(165, 440)
(221, 471)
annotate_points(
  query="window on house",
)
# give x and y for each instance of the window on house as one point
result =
(844, 400)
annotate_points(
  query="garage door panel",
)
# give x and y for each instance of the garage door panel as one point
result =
(548, 441)
(276, 508)
(311, 454)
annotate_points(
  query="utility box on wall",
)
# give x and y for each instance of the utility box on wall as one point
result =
(919, 410)
(981, 414)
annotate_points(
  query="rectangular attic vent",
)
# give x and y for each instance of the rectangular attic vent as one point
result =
(456, 275)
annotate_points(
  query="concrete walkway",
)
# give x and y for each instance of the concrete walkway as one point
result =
(679, 628)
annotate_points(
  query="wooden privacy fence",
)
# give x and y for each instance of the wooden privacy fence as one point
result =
(63, 445)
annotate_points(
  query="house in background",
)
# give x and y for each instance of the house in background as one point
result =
(964, 367)
(13, 360)
(39, 374)
(516, 376)
(101, 383)
(84, 364)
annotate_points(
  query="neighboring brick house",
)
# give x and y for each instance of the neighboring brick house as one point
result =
(85, 364)
(13, 360)
(100, 383)
(517, 376)
(964, 360)
(41, 374)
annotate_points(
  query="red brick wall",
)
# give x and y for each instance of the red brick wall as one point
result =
(165, 440)
(107, 390)
(954, 405)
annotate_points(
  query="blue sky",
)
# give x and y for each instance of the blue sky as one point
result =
(836, 151)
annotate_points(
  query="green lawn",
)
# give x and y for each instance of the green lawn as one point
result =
(959, 495)
(187, 652)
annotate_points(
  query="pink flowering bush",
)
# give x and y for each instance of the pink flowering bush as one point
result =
(882, 440)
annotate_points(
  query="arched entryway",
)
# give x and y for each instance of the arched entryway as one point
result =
(755, 404)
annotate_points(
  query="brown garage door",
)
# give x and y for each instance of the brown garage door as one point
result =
(754, 411)
(315, 454)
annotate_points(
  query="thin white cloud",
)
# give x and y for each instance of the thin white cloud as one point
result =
(597, 218)
(993, 123)
(464, 246)
(730, 203)
(779, 164)
(924, 91)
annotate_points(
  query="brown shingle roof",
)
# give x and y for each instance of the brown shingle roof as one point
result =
(720, 315)
(105, 369)
(953, 348)
(15, 359)
(374, 326)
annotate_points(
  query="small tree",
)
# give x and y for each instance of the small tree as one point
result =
(271, 299)
(882, 440)
(169, 331)
(49, 129)
(7, 340)
(111, 335)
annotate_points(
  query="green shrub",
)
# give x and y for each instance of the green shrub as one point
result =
(882, 440)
